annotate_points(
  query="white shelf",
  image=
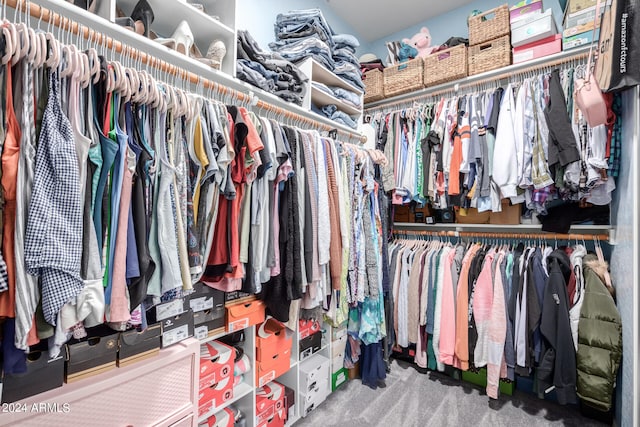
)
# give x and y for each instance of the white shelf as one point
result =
(493, 74)
(322, 75)
(205, 29)
(241, 390)
(320, 98)
(293, 420)
(499, 228)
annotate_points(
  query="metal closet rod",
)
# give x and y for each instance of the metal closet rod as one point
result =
(471, 81)
(67, 24)
(524, 236)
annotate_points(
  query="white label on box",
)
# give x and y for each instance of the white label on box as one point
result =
(201, 304)
(523, 56)
(267, 378)
(170, 309)
(201, 332)
(239, 325)
(342, 377)
(175, 335)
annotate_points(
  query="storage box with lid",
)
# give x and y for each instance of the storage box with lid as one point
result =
(446, 65)
(214, 396)
(538, 49)
(530, 29)
(271, 339)
(216, 363)
(269, 369)
(339, 378)
(313, 372)
(241, 315)
(92, 355)
(524, 9)
(271, 409)
(404, 77)
(135, 345)
(373, 85)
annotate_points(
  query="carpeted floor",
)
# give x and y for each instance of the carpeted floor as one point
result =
(414, 399)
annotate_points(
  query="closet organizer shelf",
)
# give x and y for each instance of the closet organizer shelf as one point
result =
(168, 13)
(148, 48)
(321, 98)
(241, 390)
(497, 228)
(496, 75)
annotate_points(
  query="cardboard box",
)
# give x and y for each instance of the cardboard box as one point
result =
(338, 346)
(312, 372)
(270, 403)
(524, 9)
(338, 332)
(318, 398)
(271, 339)
(92, 355)
(215, 396)
(205, 298)
(244, 314)
(510, 214)
(525, 31)
(538, 49)
(235, 297)
(135, 345)
(471, 216)
(582, 28)
(289, 402)
(166, 310)
(339, 378)
(337, 363)
(177, 328)
(224, 418)
(579, 39)
(42, 374)
(307, 327)
(267, 371)
(583, 17)
(216, 363)
(574, 6)
(208, 323)
(310, 345)
(276, 420)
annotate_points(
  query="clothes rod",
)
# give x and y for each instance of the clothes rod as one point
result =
(523, 236)
(575, 55)
(66, 24)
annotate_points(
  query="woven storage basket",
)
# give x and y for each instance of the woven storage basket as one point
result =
(373, 85)
(403, 78)
(445, 66)
(489, 25)
(490, 55)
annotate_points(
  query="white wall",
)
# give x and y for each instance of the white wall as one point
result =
(624, 263)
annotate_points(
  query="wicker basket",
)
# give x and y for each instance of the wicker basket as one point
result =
(445, 66)
(403, 78)
(490, 55)
(373, 86)
(489, 25)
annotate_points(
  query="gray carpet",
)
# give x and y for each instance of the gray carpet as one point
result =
(414, 399)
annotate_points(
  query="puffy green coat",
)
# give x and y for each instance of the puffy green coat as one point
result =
(599, 339)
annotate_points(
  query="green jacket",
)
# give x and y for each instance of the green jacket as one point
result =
(599, 340)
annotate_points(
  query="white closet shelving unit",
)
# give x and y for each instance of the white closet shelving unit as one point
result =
(319, 73)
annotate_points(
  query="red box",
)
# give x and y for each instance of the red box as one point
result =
(544, 47)
(216, 363)
(269, 370)
(214, 396)
(270, 405)
(244, 314)
(307, 327)
(271, 339)
(224, 418)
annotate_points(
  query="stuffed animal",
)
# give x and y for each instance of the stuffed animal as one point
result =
(406, 52)
(421, 41)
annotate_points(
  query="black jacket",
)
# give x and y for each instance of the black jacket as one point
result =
(558, 362)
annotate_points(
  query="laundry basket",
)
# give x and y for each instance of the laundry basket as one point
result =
(403, 78)
(445, 65)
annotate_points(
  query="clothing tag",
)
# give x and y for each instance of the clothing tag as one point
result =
(201, 332)
(170, 309)
(201, 304)
(175, 335)
(239, 324)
